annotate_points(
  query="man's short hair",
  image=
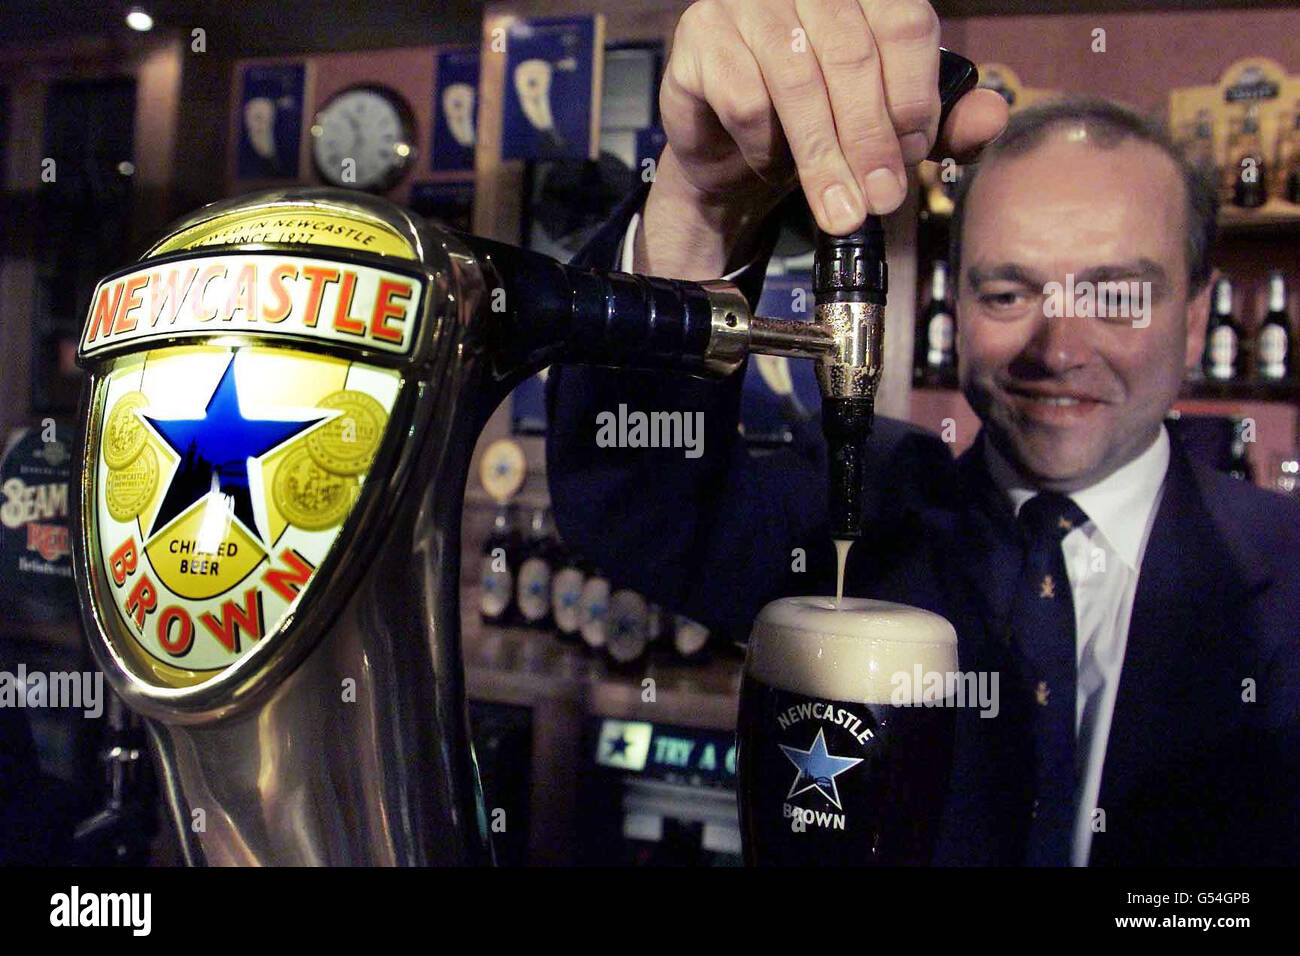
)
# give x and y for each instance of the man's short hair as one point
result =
(1107, 125)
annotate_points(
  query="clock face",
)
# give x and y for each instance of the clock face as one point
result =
(363, 138)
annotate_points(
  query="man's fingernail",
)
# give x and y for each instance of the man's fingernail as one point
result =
(915, 148)
(841, 209)
(884, 191)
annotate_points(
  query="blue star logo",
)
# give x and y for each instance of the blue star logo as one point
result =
(217, 451)
(818, 769)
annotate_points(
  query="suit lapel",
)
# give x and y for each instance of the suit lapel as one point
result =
(988, 529)
(988, 805)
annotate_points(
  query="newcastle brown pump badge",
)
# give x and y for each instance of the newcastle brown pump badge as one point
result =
(243, 377)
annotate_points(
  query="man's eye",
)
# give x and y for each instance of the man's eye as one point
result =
(1009, 299)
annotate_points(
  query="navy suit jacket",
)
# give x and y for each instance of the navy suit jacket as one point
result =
(1203, 756)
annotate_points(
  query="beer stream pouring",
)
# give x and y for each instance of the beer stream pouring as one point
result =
(284, 396)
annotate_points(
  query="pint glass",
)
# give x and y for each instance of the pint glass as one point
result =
(844, 743)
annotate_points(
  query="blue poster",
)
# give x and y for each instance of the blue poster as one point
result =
(455, 111)
(547, 108)
(270, 121)
(779, 392)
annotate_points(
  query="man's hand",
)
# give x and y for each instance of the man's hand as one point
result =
(758, 96)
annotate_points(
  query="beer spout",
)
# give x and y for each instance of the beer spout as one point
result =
(846, 338)
(850, 281)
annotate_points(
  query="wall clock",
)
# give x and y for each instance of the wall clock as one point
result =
(363, 138)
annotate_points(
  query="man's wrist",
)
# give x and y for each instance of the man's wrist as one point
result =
(683, 235)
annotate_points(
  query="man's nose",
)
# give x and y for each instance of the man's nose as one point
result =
(1061, 342)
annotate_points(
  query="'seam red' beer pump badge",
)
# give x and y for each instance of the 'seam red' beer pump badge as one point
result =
(238, 403)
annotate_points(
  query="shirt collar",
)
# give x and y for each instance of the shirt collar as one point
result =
(1120, 505)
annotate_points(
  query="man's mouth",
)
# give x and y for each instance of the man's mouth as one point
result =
(1052, 406)
(1055, 399)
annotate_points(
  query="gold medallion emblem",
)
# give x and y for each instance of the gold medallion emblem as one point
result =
(346, 445)
(124, 435)
(129, 489)
(309, 496)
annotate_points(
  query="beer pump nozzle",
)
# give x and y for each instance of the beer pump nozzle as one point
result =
(850, 283)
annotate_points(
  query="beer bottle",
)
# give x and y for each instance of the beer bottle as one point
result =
(1222, 358)
(1249, 189)
(934, 354)
(500, 562)
(627, 631)
(690, 638)
(533, 586)
(1199, 148)
(655, 628)
(1288, 157)
(1273, 343)
(593, 610)
(566, 593)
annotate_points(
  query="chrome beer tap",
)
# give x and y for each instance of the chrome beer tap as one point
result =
(284, 396)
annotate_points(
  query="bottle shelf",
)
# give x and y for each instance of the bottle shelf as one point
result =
(1276, 218)
(1250, 391)
(513, 665)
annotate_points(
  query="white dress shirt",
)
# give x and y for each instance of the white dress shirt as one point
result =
(628, 249)
(1103, 559)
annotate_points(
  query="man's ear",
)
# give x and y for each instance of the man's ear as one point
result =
(1198, 315)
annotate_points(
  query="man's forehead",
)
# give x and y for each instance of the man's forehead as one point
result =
(1071, 198)
(1071, 160)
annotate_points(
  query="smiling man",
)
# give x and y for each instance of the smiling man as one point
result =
(1140, 609)
(1069, 395)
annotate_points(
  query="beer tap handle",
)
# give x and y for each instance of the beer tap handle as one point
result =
(957, 77)
(562, 313)
(850, 284)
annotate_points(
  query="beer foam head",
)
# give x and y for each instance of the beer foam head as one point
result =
(848, 650)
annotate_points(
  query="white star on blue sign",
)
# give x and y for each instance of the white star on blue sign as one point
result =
(818, 768)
